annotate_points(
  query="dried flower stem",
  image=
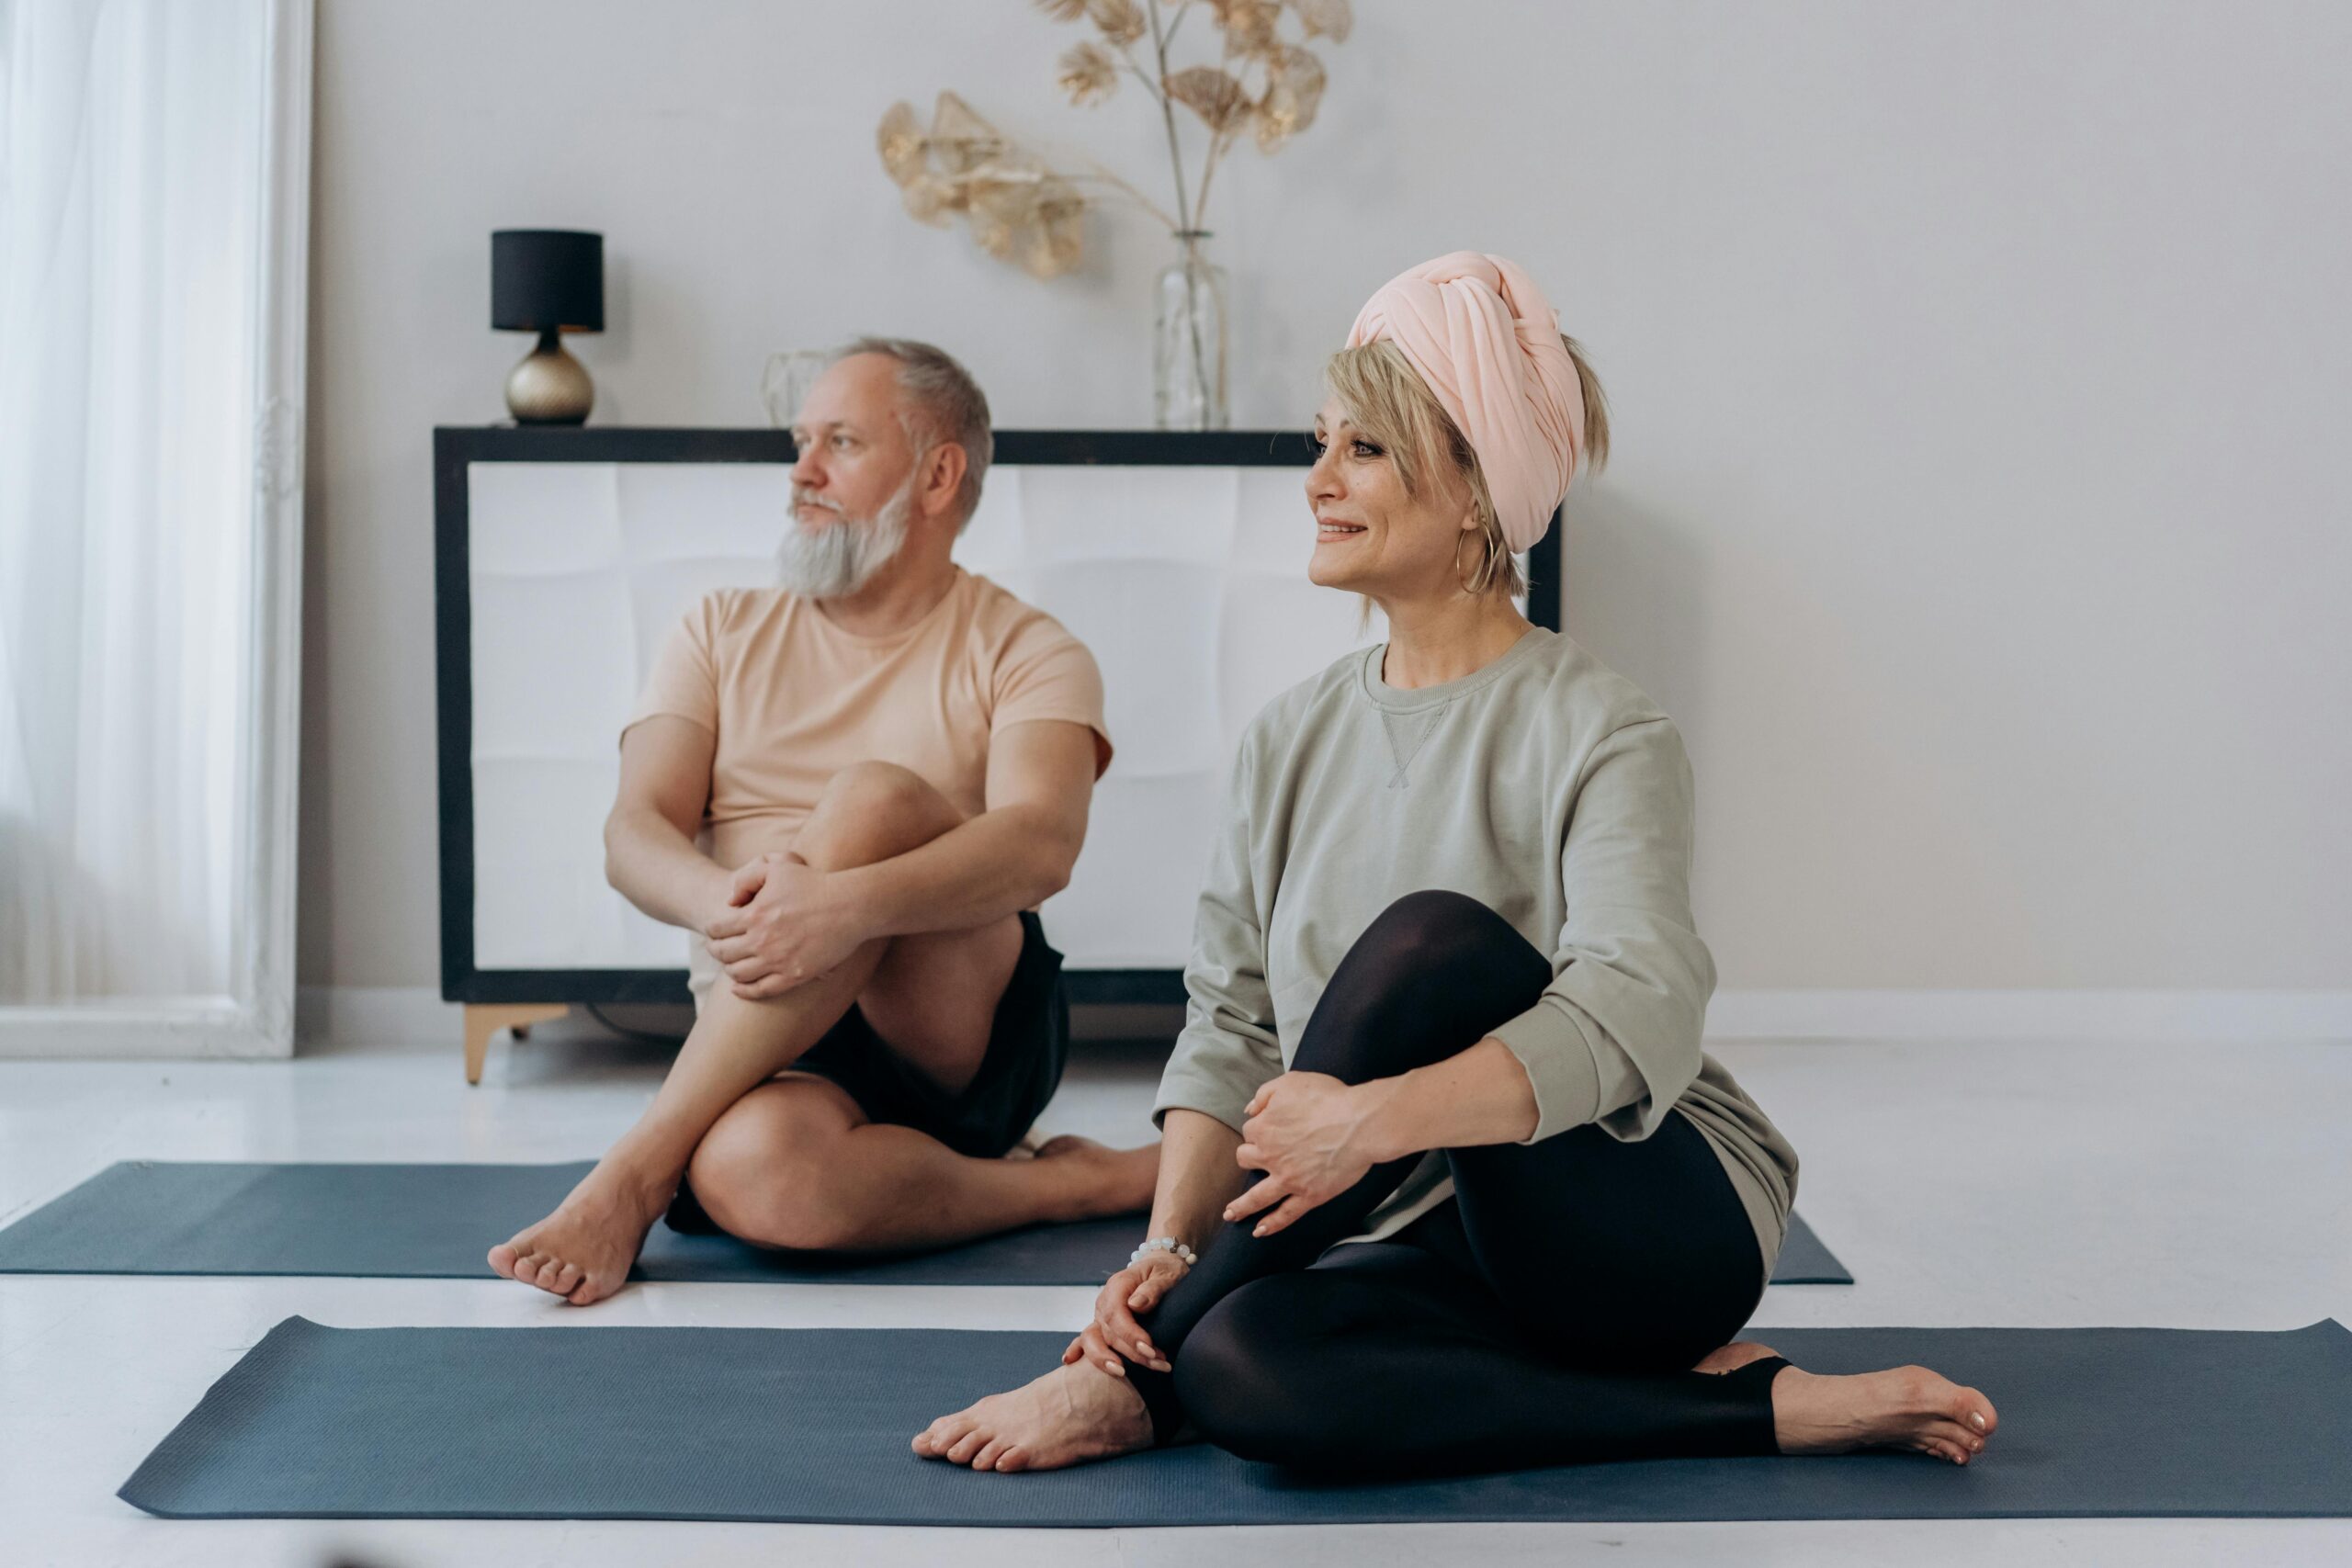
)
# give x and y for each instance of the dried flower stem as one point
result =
(1191, 232)
(1168, 111)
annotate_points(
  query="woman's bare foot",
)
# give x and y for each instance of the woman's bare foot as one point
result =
(583, 1251)
(1071, 1415)
(1902, 1407)
(1110, 1181)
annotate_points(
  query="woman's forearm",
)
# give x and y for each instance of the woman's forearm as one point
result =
(1478, 1096)
(1198, 1177)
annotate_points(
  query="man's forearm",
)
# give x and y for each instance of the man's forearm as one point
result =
(983, 869)
(659, 869)
(1478, 1096)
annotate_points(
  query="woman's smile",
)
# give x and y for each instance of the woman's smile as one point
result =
(1333, 528)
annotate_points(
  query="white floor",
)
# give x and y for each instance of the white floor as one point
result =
(1964, 1183)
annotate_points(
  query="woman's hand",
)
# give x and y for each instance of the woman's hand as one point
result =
(1115, 1332)
(1310, 1134)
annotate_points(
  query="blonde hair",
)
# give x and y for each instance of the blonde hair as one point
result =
(1386, 400)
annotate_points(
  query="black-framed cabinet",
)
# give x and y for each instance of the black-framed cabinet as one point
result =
(564, 556)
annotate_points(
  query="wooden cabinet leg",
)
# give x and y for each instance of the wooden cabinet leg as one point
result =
(486, 1018)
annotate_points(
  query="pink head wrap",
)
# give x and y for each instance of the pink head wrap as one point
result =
(1486, 340)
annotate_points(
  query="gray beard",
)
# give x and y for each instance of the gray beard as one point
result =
(841, 557)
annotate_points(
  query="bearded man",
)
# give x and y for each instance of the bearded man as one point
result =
(855, 788)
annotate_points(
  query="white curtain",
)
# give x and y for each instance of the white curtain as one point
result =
(131, 253)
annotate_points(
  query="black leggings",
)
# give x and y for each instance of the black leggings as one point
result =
(1548, 1314)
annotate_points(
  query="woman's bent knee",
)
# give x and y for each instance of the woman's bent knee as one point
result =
(1437, 921)
(1231, 1380)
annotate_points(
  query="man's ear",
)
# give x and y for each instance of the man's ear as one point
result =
(947, 464)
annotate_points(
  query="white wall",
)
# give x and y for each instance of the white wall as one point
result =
(1980, 374)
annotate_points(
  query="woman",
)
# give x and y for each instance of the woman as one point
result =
(1446, 995)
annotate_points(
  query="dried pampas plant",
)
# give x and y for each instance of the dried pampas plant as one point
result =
(1021, 210)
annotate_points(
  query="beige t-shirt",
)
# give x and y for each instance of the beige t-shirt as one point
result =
(793, 698)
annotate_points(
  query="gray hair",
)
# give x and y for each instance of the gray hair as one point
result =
(940, 404)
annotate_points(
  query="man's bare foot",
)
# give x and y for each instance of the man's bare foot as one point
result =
(1071, 1415)
(583, 1251)
(1734, 1355)
(1110, 1181)
(1902, 1407)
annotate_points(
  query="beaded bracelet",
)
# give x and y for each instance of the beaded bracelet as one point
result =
(1164, 1244)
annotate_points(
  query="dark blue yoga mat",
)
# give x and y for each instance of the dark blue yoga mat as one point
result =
(812, 1425)
(437, 1222)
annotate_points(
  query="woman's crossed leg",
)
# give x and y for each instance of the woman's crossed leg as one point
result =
(1573, 1303)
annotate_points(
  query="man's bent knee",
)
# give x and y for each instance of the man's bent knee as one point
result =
(871, 811)
(761, 1171)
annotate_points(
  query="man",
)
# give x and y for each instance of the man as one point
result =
(890, 762)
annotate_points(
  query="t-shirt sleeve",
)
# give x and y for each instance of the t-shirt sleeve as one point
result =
(1614, 1038)
(1044, 672)
(1228, 1047)
(684, 680)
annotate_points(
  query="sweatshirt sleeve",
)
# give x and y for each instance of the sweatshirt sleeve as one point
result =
(1614, 1038)
(1228, 1047)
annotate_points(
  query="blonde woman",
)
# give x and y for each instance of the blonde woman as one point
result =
(1446, 1001)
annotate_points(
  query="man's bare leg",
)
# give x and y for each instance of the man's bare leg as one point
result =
(583, 1250)
(796, 1163)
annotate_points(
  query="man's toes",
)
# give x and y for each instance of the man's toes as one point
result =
(592, 1288)
(962, 1449)
(503, 1258)
(986, 1459)
(1012, 1459)
(568, 1279)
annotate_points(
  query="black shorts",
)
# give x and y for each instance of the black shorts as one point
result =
(1028, 1043)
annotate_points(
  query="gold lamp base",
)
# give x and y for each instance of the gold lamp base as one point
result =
(549, 387)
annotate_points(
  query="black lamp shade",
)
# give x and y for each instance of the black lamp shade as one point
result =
(547, 278)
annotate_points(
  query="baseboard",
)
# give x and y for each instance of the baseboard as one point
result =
(377, 1015)
(359, 1015)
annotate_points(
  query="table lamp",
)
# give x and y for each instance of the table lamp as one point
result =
(548, 281)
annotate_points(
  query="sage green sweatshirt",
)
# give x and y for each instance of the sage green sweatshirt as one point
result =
(1548, 787)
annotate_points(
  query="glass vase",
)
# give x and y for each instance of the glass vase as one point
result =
(1188, 340)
